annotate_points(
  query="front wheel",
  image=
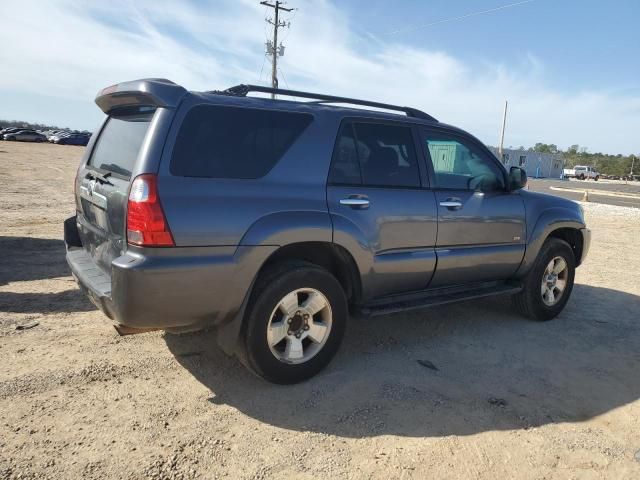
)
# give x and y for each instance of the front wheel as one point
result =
(597, 178)
(294, 324)
(548, 285)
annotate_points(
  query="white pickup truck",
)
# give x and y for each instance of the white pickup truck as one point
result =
(581, 172)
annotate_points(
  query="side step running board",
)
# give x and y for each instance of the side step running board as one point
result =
(438, 298)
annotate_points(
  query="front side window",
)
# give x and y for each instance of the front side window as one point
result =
(233, 142)
(460, 165)
(375, 155)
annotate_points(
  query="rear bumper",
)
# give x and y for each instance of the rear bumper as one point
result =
(586, 243)
(180, 288)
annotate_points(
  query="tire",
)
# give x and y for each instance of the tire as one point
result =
(597, 178)
(530, 301)
(581, 177)
(265, 315)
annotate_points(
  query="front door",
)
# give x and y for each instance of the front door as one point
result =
(481, 224)
(381, 211)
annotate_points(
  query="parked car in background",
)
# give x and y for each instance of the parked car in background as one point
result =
(270, 220)
(582, 172)
(8, 130)
(73, 139)
(54, 138)
(25, 136)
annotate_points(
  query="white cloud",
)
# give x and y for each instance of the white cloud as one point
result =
(66, 49)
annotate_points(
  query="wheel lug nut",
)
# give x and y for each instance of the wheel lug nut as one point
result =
(297, 335)
(306, 316)
(306, 327)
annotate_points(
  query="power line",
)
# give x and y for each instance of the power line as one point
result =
(273, 49)
(460, 17)
(284, 78)
(262, 68)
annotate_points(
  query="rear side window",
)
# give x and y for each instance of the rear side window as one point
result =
(376, 155)
(345, 166)
(232, 142)
(119, 142)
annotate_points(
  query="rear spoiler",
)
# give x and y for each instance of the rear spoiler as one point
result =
(156, 92)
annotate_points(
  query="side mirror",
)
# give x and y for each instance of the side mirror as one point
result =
(517, 178)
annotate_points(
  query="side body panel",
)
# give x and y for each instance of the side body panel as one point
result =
(481, 239)
(392, 241)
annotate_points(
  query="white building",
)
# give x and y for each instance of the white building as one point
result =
(537, 165)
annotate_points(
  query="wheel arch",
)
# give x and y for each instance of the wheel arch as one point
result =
(333, 258)
(562, 223)
(573, 237)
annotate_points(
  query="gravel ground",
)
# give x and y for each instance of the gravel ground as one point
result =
(463, 391)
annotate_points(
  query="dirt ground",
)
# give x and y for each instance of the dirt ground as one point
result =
(507, 398)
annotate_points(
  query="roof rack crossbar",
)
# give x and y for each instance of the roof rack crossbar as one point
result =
(242, 91)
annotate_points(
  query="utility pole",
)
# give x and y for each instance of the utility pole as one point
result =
(504, 123)
(272, 48)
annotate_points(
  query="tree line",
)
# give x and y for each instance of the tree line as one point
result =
(618, 165)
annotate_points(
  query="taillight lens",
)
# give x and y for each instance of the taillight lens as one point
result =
(146, 224)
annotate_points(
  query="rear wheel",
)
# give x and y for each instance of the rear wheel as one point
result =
(295, 323)
(548, 285)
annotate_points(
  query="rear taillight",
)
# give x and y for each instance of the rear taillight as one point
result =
(146, 224)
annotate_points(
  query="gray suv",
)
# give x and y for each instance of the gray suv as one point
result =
(272, 220)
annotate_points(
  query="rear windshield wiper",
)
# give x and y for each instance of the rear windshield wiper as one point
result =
(101, 177)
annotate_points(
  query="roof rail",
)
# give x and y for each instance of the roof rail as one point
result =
(242, 91)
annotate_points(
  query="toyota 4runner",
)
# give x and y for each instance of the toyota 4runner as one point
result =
(270, 220)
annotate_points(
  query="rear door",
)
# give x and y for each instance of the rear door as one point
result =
(380, 207)
(481, 224)
(103, 184)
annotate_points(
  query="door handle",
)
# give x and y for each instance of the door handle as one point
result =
(355, 202)
(451, 204)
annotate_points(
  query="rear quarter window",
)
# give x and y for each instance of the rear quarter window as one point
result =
(119, 142)
(234, 142)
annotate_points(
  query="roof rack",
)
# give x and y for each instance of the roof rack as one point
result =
(242, 91)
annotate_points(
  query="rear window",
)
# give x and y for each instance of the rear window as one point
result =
(119, 142)
(375, 155)
(232, 142)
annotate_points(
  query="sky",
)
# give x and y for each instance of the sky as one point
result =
(570, 69)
